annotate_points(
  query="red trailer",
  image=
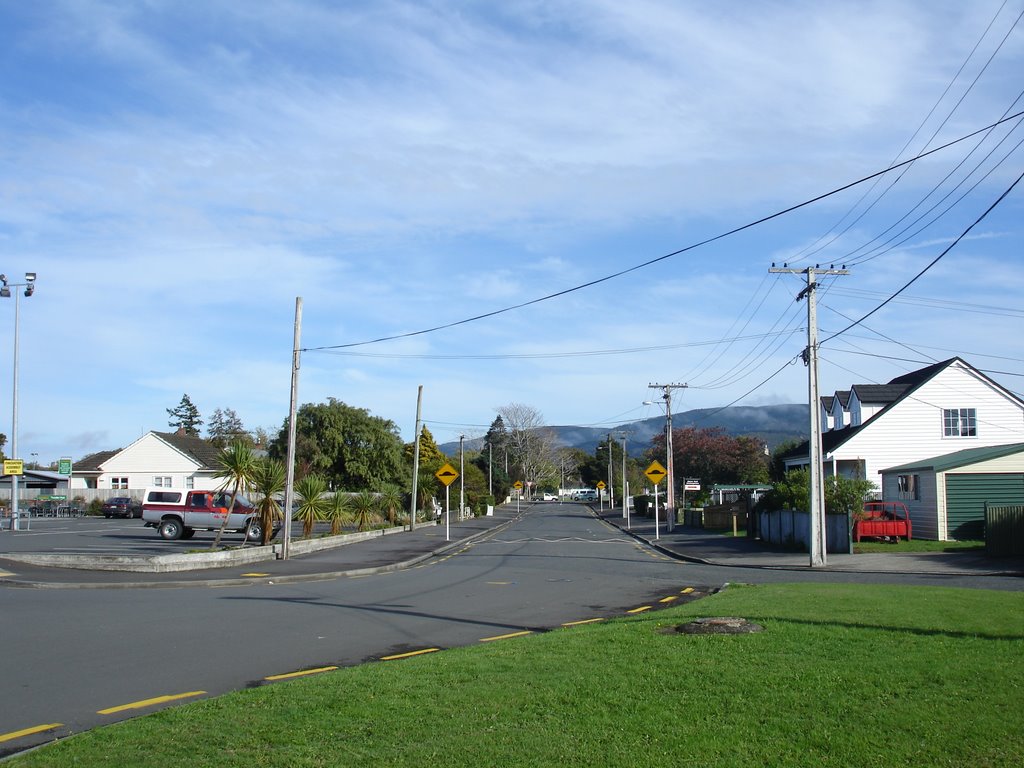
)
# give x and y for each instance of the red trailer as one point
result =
(883, 519)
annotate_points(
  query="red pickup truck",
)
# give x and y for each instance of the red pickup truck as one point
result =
(178, 514)
(883, 519)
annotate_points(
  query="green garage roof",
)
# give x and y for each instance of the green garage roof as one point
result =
(961, 458)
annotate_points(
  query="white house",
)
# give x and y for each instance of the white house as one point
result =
(946, 407)
(161, 459)
(946, 495)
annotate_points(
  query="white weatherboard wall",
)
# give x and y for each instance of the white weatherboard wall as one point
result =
(912, 429)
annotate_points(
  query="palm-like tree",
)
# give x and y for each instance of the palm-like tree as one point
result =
(339, 511)
(235, 466)
(363, 507)
(390, 500)
(310, 490)
(268, 480)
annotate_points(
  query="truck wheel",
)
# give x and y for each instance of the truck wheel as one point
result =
(255, 531)
(171, 529)
(188, 533)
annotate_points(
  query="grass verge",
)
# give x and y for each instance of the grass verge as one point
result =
(918, 545)
(843, 675)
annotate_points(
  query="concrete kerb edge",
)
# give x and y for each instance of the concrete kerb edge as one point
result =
(266, 580)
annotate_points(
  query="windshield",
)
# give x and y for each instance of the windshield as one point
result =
(223, 498)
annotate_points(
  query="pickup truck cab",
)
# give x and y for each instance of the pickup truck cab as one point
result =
(178, 514)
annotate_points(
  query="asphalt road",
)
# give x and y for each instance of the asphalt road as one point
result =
(74, 659)
(83, 658)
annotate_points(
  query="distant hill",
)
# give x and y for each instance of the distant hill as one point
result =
(771, 423)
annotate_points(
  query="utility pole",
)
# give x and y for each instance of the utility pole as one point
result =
(416, 459)
(289, 482)
(611, 484)
(816, 496)
(670, 497)
(462, 475)
(625, 483)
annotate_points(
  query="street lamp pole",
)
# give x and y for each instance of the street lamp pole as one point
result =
(5, 291)
(462, 475)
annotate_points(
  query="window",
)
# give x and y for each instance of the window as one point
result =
(190, 482)
(959, 422)
(909, 487)
(162, 482)
(119, 483)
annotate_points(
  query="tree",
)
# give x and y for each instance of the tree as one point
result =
(431, 460)
(310, 490)
(225, 426)
(268, 481)
(185, 416)
(391, 502)
(530, 444)
(843, 495)
(339, 511)
(235, 466)
(713, 456)
(363, 506)
(345, 445)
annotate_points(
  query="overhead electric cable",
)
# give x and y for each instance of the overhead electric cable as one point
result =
(658, 259)
(933, 262)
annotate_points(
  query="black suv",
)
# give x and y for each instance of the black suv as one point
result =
(122, 506)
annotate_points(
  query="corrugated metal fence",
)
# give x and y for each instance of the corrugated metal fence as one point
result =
(1004, 530)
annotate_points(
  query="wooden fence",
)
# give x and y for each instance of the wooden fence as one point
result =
(1004, 530)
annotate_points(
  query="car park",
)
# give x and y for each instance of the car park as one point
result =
(122, 506)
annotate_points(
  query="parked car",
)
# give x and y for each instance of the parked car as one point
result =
(122, 506)
(178, 514)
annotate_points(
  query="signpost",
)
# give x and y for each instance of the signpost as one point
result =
(518, 485)
(447, 475)
(690, 484)
(655, 473)
(64, 466)
(600, 487)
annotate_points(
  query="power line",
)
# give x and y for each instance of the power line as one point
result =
(666, 256)
(933, 262)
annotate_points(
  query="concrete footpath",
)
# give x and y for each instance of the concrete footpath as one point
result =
(715, 548)
(379, 554)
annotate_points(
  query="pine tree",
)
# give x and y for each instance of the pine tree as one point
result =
(185, 416)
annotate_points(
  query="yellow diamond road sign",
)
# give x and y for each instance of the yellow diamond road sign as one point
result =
(600, 485)
(447, 474)
(655, 473)
(518, 485)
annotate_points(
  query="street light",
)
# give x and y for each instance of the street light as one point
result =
(5, 292)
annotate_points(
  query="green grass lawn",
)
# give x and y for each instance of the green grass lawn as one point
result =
(917, 545)
(842, 676)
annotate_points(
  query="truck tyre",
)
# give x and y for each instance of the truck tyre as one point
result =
(171, 529)
(255, 531)
(188, 533)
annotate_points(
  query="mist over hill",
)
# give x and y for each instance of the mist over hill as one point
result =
(769, 423)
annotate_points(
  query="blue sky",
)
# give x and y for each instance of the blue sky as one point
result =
(178, 173)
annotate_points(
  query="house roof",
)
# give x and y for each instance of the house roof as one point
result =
(94, 461)
(843, 396)
(826, 402)
(879, 394)
(199, 450)
(961, 458)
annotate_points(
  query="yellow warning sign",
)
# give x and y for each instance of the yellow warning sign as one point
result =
(447, 474)
(600, 485)
(655, 473)
(518, 485)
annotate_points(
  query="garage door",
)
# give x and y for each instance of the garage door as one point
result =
(966, 496)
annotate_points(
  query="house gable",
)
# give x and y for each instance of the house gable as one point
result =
(913, 426)
(156, 458)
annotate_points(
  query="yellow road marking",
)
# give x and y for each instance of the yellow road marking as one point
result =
(669, 599)
(410, 653)
(149, 702)
(301, 673)
(583, 621)
(686, 591)
(498, 583)
(5, 574)
(28, 731)
(255, 575)
(506, 637)
(641, 609)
